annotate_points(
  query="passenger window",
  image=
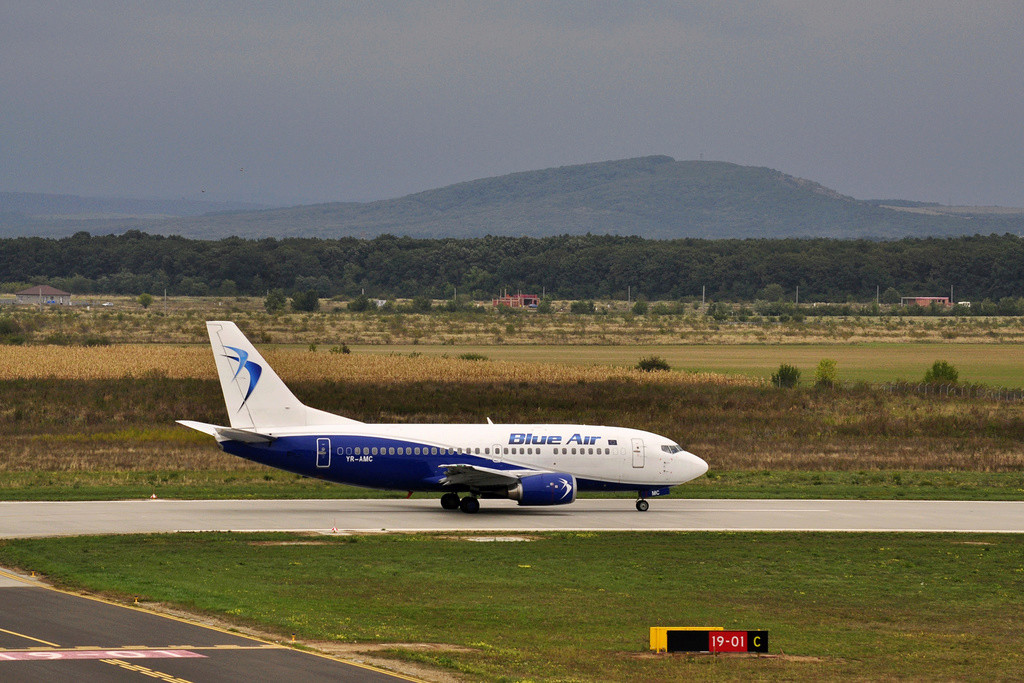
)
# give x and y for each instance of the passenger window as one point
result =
(487, 451)
(506, 450)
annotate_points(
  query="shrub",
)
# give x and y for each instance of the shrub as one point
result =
(582, 307)
(941, 372)
(422, 304)
(95, 340)
(786, 376)
(308, 300)
(640, 307)
(275, 301)
(472, 356)
(717, 310)
(653, 364)
(359, 304)
(145, 300)
(825, 374)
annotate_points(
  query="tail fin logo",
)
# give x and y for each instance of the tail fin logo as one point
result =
(252, 368)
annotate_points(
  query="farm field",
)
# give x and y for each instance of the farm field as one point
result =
(996, 365)
(836, 606)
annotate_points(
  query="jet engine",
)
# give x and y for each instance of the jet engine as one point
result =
(544, 489)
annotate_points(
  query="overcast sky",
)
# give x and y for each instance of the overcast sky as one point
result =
(301, 101)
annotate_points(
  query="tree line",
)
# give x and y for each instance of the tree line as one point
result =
(566, 267)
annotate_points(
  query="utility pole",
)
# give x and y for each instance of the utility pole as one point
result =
(798, 295)
(703, 289)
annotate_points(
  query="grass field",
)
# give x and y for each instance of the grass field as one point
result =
(577, 606)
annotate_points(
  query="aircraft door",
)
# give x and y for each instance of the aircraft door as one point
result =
(638, 453)
(323, 452)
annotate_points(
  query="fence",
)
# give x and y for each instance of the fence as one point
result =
(957, 390)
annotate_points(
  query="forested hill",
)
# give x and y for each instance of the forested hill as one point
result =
(654, 197)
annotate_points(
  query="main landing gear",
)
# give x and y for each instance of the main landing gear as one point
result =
(642, 505)
(451, 501)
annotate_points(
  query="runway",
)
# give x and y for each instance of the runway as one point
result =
(50, 635)
(27, 519)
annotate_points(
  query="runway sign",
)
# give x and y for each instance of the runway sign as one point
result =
(706, 639)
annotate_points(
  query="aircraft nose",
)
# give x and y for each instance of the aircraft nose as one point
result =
(696, 465)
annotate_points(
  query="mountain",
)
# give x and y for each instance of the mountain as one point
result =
(29, 210)
(656, 197)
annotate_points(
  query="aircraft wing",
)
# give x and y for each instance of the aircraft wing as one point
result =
(474, 475)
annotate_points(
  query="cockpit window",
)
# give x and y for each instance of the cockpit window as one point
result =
(672, 449)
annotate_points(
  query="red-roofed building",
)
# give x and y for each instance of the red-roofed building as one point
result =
(43, 294)
(925, 300)
(517, 300)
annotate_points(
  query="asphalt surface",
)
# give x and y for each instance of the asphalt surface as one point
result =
(50, 635)
(21, 519)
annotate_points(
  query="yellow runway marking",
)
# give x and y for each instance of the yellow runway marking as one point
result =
(143, 670)
(22, 635)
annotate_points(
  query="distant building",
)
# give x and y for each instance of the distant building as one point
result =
(43, 294)
(517, 301)
(925, 300)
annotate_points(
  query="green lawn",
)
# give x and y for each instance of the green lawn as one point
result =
(578, 606)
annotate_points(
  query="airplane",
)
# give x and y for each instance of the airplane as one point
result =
(533, 464)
